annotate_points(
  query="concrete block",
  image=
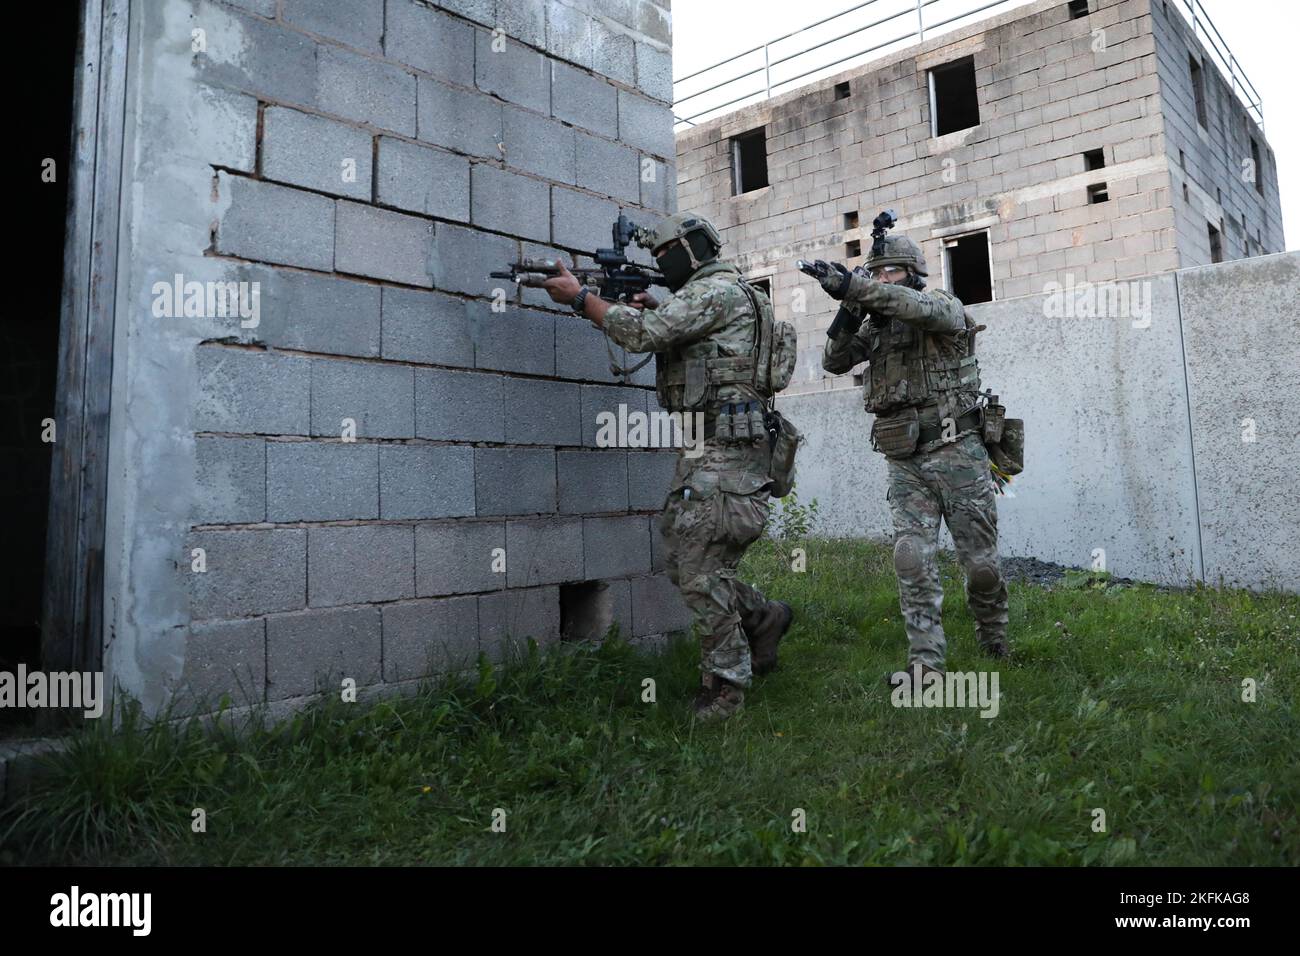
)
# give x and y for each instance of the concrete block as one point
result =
(580, 221)
(361, 564)
(422, 638)
(514, 481)
(524, 20)
(378, 399)
(313, 313)
(423, 180)
(459, 406)
(425, 481)
(604, 405)
(609, 168)
(459, 119)
(583, 100)
(462, 259)
(650, 474)
(568, 34)
(230, 480)
(539, 145)
(654, 72)
(366, 90)
(426, 327)
(546, 551)
(613, 53)
(620, 599)
(357, 24)
(251, 392)
(517, 340)
(459, 557)
(316, 650)
(430, 41)
(645, 124)
(222, 658)
(592, 481)
(265, 59)
(271, 223)
(657, 606)
(514, 72)
(658, 183)
(322, 481)
(247, 572)
(507, 620)
(616, 547)
(382, 244)
(542, 413)
(507, 202)
(480, 11)
(580, 353)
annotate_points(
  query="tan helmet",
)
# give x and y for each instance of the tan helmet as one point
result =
(899, 251)
(678, 226)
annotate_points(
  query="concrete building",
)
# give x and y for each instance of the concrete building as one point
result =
(371, 461)
(1090, 141)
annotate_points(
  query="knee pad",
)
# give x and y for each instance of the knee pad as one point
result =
(985, 578)
(907, 556)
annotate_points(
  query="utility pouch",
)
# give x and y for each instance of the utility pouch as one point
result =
(994, 417)
(895, 435)
(739, 425)
(785, 442)
(697, 382)
(1009, 453)
(757, 426)
(723, 428)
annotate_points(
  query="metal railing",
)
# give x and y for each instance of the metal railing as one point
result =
(780, 63)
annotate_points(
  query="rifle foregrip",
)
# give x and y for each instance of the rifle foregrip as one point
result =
(846, 322)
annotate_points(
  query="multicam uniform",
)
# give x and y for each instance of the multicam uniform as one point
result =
(718, 503)
(922, 372)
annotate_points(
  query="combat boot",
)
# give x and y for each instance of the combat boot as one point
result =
(764, 632)
(996, 647)
(717, 699)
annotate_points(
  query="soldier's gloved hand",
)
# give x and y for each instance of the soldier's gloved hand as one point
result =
(836, 280)
(643, 300)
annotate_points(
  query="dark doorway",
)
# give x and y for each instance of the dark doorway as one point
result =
(968, 268)
(29, 334)
(954, 103)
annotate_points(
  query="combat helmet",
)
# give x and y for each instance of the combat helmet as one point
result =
(681, 244)
(899, 251)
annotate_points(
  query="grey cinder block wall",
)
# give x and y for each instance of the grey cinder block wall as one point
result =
(1050, 89)
(320, 491)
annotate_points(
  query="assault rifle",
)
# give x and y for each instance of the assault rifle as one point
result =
(614, 276)
(846, 320)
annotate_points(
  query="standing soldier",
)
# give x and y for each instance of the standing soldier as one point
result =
(923, 386)
(719, 354)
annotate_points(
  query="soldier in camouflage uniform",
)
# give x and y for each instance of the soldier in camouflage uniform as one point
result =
(922, 384)
(703, 338)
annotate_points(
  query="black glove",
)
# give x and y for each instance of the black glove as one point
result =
(836, 280)
(846, 321)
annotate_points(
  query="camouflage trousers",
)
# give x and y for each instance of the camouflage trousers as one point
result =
(952, 483)
(712, 515)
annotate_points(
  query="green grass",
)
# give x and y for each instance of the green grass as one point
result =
(1127, 699)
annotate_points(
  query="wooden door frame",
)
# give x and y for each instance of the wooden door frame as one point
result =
(72, 625)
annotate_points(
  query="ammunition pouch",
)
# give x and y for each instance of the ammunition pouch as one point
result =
(785, 440)
(1008, 452)
(896, 435)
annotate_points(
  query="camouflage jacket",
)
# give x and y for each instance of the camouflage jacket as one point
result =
(919, 348)
(709, 320)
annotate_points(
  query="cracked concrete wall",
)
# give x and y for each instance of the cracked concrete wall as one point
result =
(315, 488)
(1170, 444)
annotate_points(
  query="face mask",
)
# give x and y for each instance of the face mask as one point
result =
(675, 264)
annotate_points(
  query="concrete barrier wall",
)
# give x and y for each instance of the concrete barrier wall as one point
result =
(1130, 449)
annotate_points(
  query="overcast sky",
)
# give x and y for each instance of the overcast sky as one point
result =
(1260, 33)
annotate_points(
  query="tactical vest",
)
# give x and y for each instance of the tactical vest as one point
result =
(699, 375)
(912, 367)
